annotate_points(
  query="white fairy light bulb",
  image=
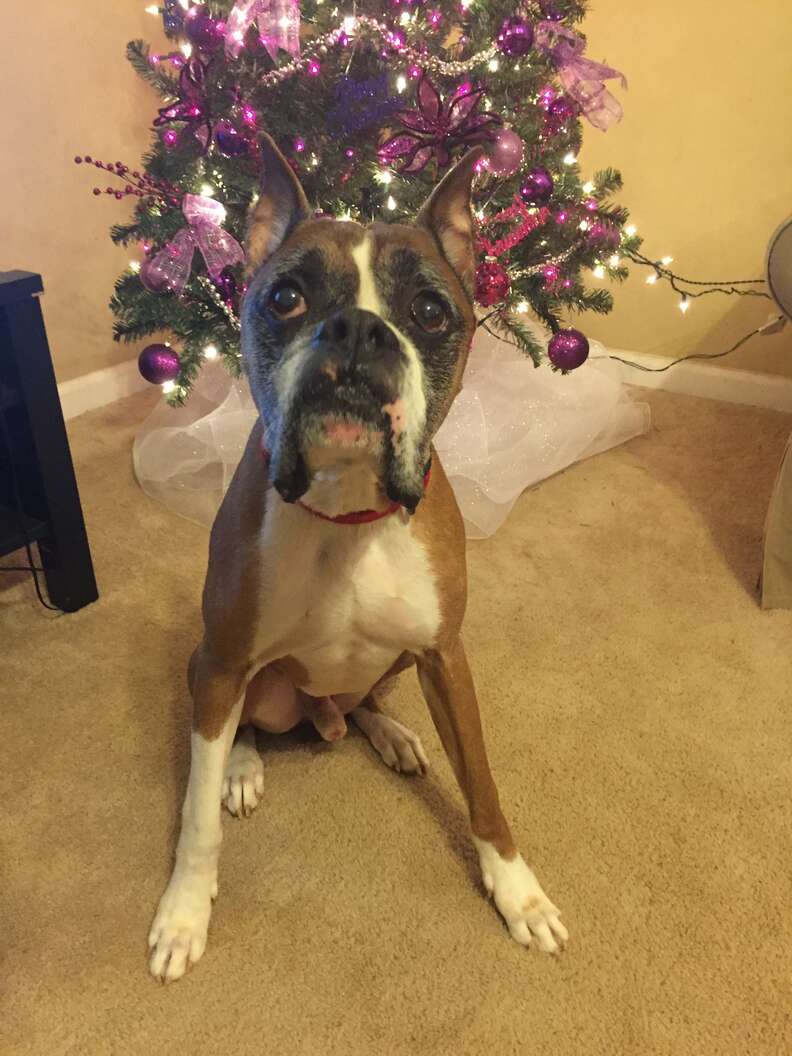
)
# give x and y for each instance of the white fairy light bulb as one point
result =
(522, 307)
(493, 65)
(152, 9)
(651, 279)
(345, 216)
(598, 272)
(186, 49)
(134, 265)
(684, 305)
(391, 203)
(405, 18)
(614, 261)
(168, 386)
(210, 352)
(350, 23)
(401, 83)
(570, 158)
(583, 225)
(630, 230)
(207, 190)
(383, 176)
(667, 261)
(588, 187)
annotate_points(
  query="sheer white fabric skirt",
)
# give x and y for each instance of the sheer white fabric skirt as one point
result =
(511, 426)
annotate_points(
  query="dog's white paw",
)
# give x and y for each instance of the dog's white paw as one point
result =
(243, 784)
(178, 934)
(522, 903)
(399, 747)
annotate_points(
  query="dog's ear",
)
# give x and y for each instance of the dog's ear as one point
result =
(282, 204)
(447, 214)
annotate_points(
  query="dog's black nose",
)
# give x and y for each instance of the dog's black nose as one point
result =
(356, 345)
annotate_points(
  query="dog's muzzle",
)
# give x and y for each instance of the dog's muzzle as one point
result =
(356, 359)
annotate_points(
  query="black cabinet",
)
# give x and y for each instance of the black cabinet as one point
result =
(39, 502)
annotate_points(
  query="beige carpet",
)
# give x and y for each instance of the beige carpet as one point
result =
(638, 709)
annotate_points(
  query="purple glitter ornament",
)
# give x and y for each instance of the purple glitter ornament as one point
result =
(158, 363)
(560, 112)
(505, 153)
(230, 141)
(537, 187)
(568, 349)
(515, 37)
(202, 30)
(492, 283)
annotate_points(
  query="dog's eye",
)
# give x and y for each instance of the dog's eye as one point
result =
(429, 312)
(287, 301)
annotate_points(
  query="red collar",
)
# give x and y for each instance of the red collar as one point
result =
(358, 516)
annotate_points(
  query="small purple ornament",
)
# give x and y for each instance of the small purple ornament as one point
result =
(568, 349)
(230, 141)
(492, 283)
(605, 233)
(559, 113)
(155, 277)
(515, 37)
(537, 187)
(226, 284)
(202, 30)
(505, 152)
(158, 363)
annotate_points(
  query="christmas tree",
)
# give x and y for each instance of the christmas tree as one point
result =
(370, 101)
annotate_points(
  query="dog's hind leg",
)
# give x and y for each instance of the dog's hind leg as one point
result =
(243, 783)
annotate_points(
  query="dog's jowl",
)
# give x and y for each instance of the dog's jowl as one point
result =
(337, 559)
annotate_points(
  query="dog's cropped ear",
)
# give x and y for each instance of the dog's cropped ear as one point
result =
(282, 204)
(447, 214)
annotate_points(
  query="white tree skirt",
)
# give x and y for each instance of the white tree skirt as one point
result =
(511, 426)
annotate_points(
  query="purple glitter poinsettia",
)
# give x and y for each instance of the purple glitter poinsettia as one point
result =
(435, 128)
(191, 106)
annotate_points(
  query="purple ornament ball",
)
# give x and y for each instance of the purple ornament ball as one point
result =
(505, 152)
(202, 30)
(568, 349)
(492, 283)
(230, 141)
(515, 37)
(158, 363)
(537, 187)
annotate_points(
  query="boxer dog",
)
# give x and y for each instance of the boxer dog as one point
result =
(337, 559)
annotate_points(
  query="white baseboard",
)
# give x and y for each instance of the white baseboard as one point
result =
(100, 387)
(693, 378)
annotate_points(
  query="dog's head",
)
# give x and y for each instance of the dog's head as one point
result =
(355, 338)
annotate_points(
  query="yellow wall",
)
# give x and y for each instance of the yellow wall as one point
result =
(704, 148)
(66, 89)
(706, 154)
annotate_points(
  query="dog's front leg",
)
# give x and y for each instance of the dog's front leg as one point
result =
(448, 687)
(178, 934)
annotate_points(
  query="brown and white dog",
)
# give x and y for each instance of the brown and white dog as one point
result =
(337, 559)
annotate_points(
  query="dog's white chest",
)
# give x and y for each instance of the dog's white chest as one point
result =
(351, 600)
